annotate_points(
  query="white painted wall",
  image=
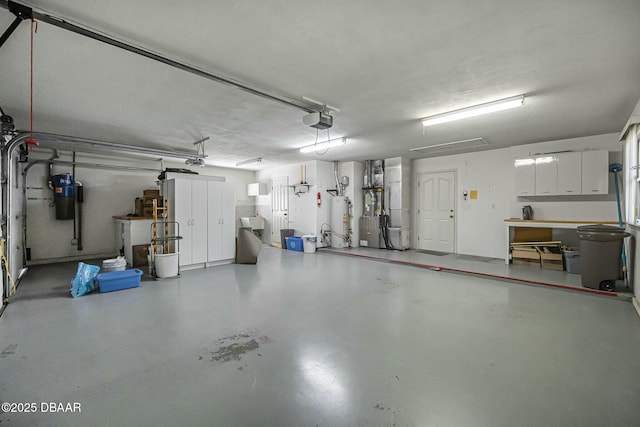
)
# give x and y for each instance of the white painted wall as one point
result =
(106, 193)
(304, 215)
(480, 223)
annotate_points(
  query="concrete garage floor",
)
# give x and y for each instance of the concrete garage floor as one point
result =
(482, 267)
(319, 340)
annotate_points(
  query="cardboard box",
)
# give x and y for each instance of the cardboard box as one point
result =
(551, 258)
(148, 196)
(525, 256)
(532, 234)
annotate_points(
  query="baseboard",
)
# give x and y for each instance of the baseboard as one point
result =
(636, 304)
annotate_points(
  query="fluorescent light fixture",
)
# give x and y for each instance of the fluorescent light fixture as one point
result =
(490, 107)
(545, 159)
(455, 145)
(246, 162)
(524, 162)
(321, 146)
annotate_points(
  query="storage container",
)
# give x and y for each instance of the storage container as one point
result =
(284, 233)
(117, 280)
(525, 256)
(167, 265)
(551, 258)
(294, 244)
(114, 264)
(601, 248)
(572, 261)
(309, 243)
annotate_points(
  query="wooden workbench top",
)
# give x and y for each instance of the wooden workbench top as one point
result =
(549, 221)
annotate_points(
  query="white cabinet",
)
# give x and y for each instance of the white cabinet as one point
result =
(257, 189)
(188, 206)
(569, 173)
(562, 174)
(205, 210)
(595, 172)
(131, 232)
(546, 175)
(525, 177)
(221, 213)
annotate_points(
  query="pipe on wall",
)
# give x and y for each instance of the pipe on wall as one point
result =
(71, 143)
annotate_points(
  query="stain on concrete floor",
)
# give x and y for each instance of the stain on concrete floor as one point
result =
(234, 347)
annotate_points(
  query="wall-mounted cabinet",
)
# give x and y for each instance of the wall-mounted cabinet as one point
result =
(595, 168)
(562, 174)
(546, 175)
(569, 173)
(525, 177)
(257, 189)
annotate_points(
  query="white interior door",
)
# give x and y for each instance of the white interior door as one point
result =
(279, 207)
(436, 216)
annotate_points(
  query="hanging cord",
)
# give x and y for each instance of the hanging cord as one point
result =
(316, 143)
(31, 142)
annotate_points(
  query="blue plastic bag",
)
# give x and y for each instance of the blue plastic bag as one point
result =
(84, 282)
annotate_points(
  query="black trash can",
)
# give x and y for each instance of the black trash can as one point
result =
(284, 233)
(601, 253)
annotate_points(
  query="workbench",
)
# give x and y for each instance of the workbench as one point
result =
(513, 223)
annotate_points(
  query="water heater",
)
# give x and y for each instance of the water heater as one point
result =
(340, 222)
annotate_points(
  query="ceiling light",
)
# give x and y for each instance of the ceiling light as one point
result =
(246, 162)
(490, 107)
(450, 146)
(320, 146)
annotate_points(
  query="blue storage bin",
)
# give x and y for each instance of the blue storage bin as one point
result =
(117, 280)
(295, 244)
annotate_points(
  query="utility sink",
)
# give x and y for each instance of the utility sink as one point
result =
(255, 222)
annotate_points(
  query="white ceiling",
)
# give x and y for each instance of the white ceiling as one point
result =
(384, 64)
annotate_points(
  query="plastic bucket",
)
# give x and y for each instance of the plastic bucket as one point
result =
(114, 264)
(572, 262)
(309, 241)
(166, 265)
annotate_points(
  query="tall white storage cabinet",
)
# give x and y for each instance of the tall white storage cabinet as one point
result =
(221, 214)
(207, 226)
